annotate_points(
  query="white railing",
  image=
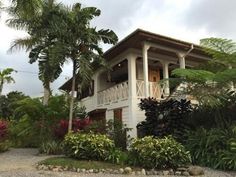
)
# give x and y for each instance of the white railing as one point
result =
(116, 93)
(155, 90)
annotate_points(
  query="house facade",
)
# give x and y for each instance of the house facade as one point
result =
(138, 63)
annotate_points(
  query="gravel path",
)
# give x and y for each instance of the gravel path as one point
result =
(21, 163)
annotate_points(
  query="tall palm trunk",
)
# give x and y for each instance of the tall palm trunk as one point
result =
(72, 96)
(1, 87)
(46, 94)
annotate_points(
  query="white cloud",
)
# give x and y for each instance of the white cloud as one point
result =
(217, 16)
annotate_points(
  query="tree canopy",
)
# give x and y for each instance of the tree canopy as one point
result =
(213, 80)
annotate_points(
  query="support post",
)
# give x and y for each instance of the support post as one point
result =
(181, 60)
(132, 95)
(166, 76)
(145, 69)
(182, 65)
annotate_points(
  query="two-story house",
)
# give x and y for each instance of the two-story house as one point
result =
(138, 63)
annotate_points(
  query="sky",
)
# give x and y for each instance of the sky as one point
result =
(188, 20)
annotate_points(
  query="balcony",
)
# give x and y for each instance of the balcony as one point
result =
(114, 94)
(120, 92)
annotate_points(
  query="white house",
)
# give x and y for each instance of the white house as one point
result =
(138, 62)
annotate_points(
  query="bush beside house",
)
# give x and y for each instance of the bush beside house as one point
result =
(88, 146)
(4, 142)
(159, 153)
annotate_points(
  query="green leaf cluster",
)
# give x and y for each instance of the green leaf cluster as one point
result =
(162, 153)
(51, 148)
(88, 146)
(4, 145)
(35, 122)
(163, 118)
(215, 148)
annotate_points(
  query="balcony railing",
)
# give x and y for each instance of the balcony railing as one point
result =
(120, 92)
(116, 93)
(155, 90)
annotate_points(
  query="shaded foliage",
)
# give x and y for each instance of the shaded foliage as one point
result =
(36, 120)
(8, 104)
(3, 130)
(214, 147)
(4, 135)
(77, 125)
(51, 147)
(164, 118)
(215, 117)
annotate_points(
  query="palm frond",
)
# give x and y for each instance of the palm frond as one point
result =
(23, 43)
(226, 76)
(222, 50)
(193, 75)
(107, 36)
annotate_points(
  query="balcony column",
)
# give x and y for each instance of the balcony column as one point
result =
(182, 65)
(145, 69)
(166, 76)
(132, 75)
(132, 95)
(181, 60)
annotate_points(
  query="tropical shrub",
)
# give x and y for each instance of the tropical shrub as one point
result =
(5, 111)
(117, 156)
(162, 153)
(25, 133)
(77, 125)
(36, 122)
(114, 129)
(3, 130)
(51, 147)
(164, 118)
(117, 131)
(222, 116)
(88, 146)
(214, 147)
(97, 126)
(4, 143)
(8, 104)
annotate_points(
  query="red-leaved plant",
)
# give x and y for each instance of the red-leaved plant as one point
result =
(3, 130)
(77, 125)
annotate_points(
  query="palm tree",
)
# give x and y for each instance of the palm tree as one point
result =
(5, 77)
(80, 43)
(40, 43)
(25, 8)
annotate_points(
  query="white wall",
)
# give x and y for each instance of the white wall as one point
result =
(125, 115)
(109, 115)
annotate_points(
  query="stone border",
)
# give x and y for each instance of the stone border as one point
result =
(192, 170)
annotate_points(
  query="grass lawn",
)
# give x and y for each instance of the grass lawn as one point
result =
(72, 163)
